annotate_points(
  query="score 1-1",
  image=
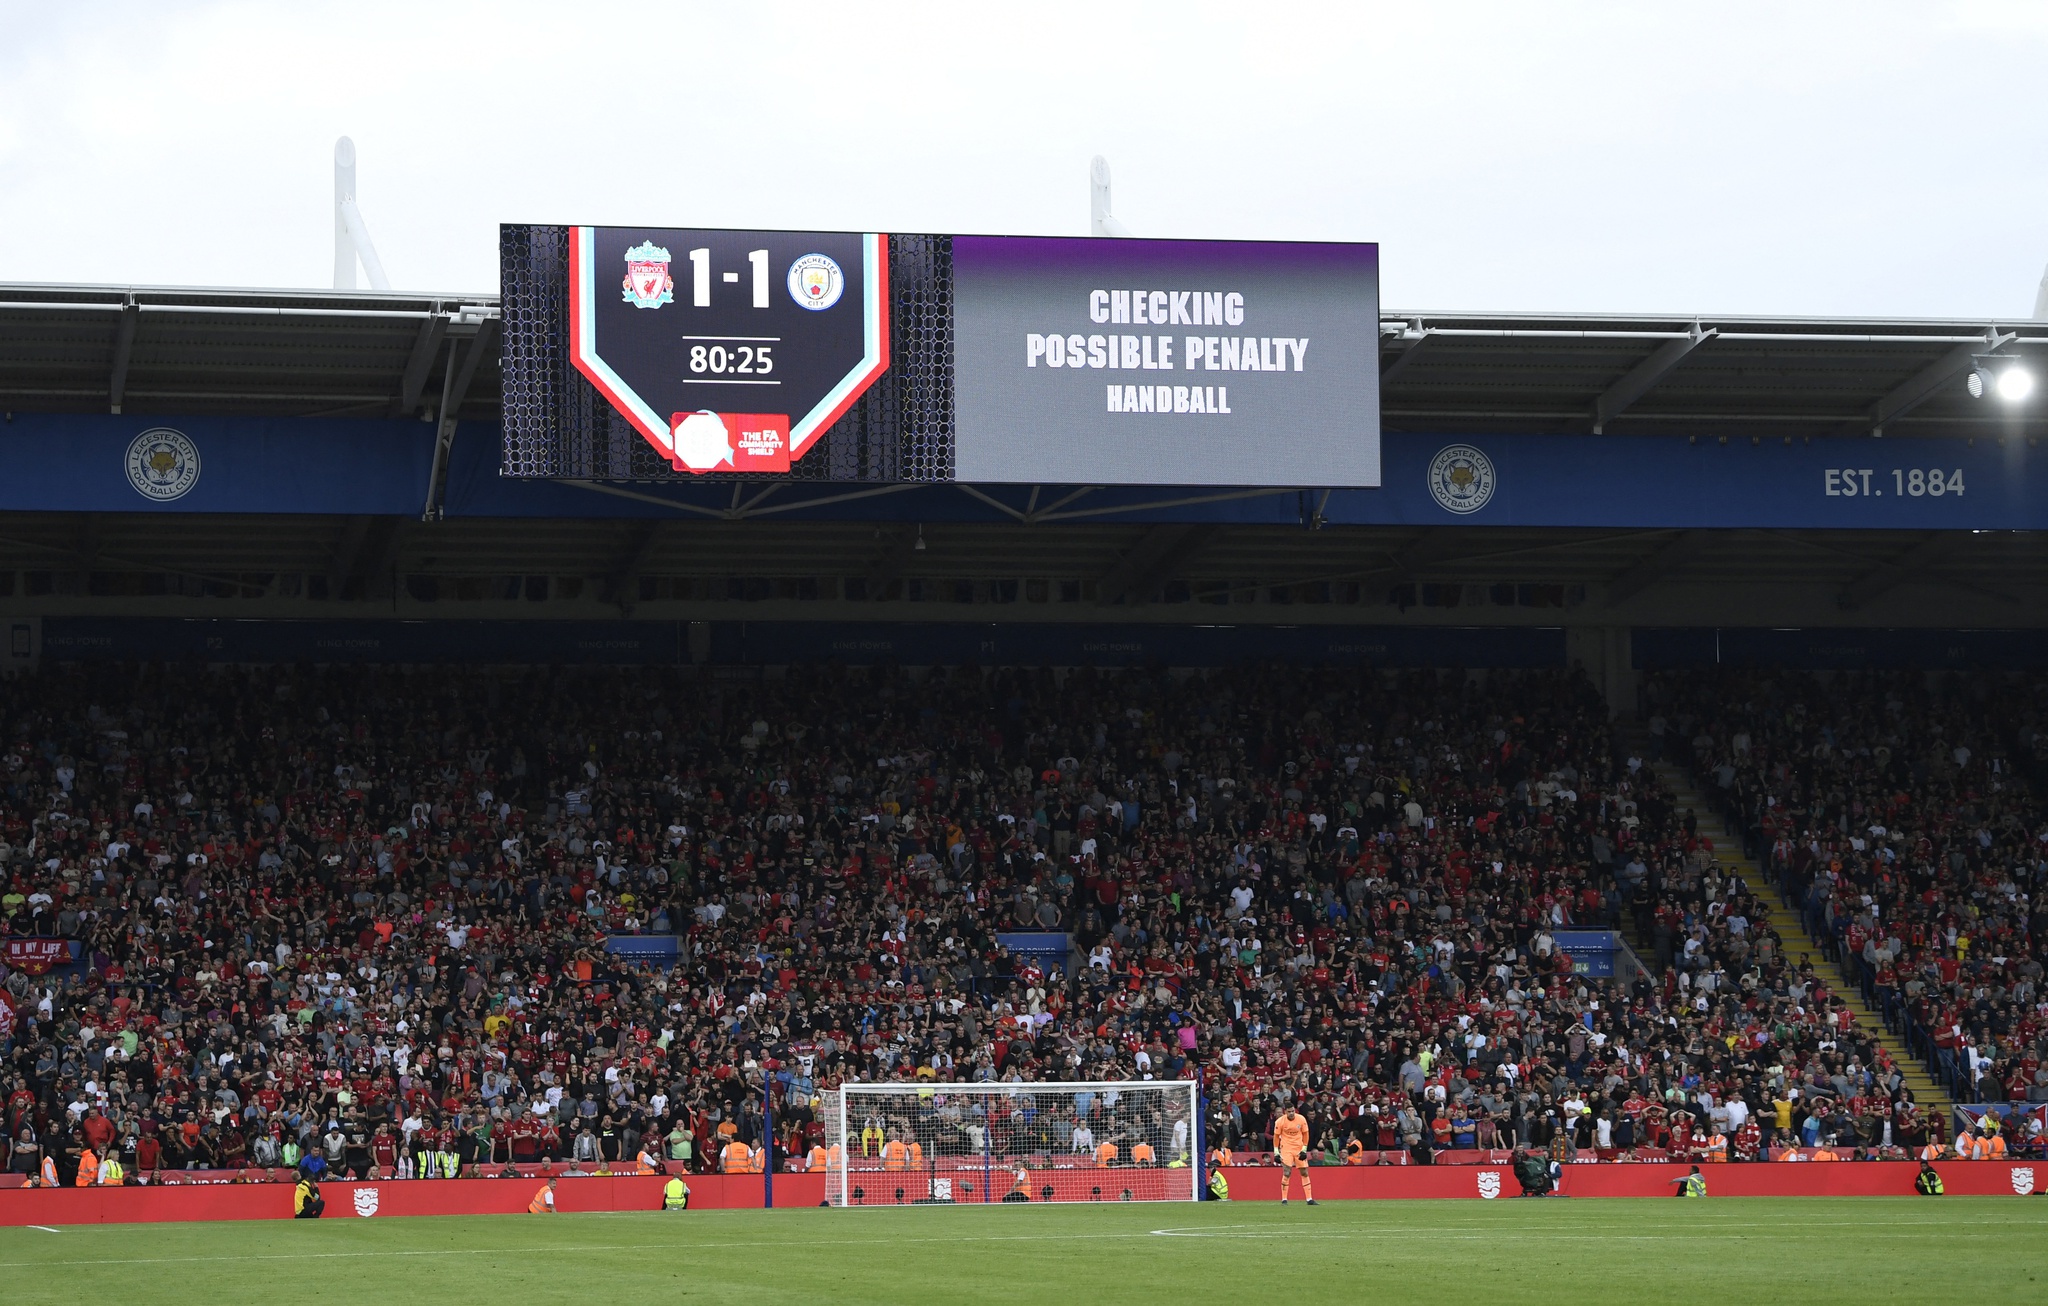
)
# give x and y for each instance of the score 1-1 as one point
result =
(700, 277)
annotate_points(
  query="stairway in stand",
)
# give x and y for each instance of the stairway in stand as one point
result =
(1933, 1101)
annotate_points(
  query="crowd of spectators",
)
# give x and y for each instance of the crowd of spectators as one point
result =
(1904, 814)
(361, 914)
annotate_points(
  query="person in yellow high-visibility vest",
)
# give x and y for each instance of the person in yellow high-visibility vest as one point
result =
(675, 1194)
(1219, 1187)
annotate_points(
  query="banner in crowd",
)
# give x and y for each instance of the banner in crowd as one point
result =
(34, 956)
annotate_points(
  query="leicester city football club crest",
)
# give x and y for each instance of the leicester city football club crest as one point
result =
(648, 284)
(163, 464)
(1460, 479)
(815, 282)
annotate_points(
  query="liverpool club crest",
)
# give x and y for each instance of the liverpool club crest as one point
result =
(647, 281)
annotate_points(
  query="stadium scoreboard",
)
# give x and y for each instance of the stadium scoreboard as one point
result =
(645, 352)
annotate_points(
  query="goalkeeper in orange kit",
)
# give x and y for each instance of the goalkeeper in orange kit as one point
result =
(1290, 1143)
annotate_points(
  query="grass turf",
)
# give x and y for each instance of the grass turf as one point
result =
(1721, 1249)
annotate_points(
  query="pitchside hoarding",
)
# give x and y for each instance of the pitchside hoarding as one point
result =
(843, 356)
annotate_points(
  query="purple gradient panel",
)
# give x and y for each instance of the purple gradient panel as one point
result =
(1041, 254)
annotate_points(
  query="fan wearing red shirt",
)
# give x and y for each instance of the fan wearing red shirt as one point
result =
(525, 1139)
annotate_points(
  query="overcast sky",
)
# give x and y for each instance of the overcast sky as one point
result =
(1855, 159)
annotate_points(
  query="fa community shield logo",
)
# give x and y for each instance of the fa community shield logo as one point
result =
(1460, 479)
(648, 284)
(366, 1202)
(815, 282)
(1489, 1184)
(2023, 1179)
(162, 464)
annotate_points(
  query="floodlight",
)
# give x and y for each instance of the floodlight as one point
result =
(1996, 375)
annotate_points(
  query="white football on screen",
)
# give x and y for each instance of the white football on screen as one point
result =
(701, 442)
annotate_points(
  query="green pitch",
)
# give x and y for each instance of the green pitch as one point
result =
(1733, 1249)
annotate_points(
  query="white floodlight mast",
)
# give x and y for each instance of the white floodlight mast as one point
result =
(1100, 223)
(351, 233)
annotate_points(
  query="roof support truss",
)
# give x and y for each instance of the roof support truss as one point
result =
(124, 349)
(454, 390)
(1158, 555)
(1674, 553)
(641, 543)
(895, 554)
(420, 362)
(1915, 562)
(1644, 376)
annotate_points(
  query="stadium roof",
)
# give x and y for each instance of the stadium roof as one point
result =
(144, 349)
(151, 349)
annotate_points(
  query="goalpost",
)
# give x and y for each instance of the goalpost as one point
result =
(943, 1144)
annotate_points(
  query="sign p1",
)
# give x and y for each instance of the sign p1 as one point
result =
(705, 441)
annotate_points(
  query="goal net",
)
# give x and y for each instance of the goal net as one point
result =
(914, 1144)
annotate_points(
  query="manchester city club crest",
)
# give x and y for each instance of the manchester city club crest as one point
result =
(163, 464)
(648, 284)
(1461, 479)
(815, 282)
